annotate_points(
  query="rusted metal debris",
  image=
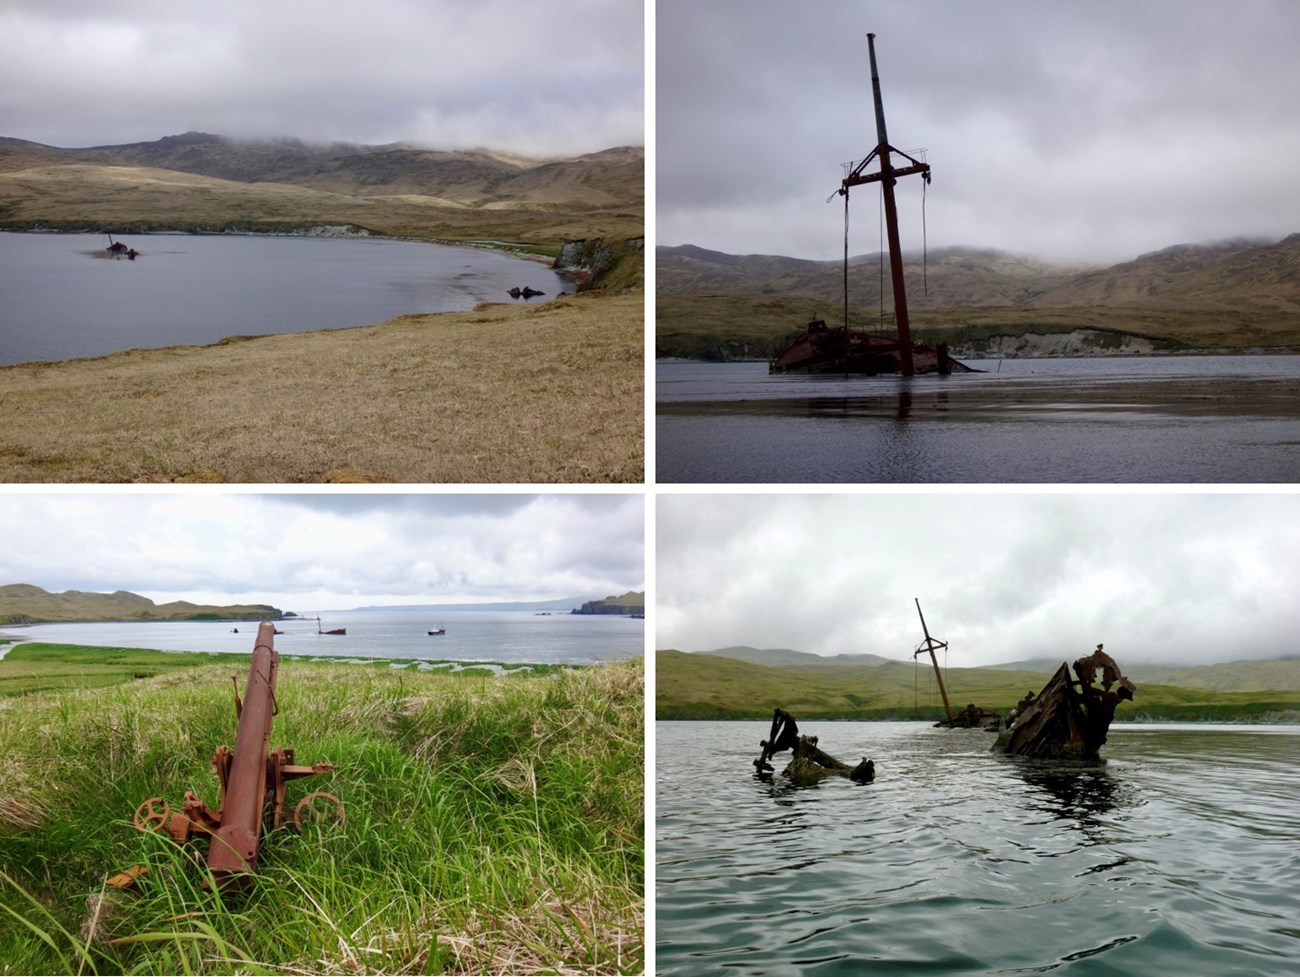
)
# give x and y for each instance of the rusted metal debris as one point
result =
(118, 250)
(809, 764)
(1069, 718)
(839, 349)
(252, 779)
(973, 717)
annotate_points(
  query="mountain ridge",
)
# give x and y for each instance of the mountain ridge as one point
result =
(209, 182)
(1261, 271)
(1239, 293)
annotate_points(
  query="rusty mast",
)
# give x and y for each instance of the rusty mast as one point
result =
(887, 176)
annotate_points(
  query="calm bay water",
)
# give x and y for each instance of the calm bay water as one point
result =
(1179, 854)
(1116, 419)
(499, 636)
(58, 302)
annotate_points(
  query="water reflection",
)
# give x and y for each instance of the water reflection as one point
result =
(1082, 793)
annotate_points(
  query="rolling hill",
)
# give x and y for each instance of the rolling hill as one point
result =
(717, 686)
(28, 604)
(1238, 293)
(204, 181)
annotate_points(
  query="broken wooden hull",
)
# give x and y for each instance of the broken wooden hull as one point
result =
(1064, 721)
(821, 349)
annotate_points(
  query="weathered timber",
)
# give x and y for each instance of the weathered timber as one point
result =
(1069, 718)
(973, 717)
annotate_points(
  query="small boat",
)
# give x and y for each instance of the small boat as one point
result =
(438, 630)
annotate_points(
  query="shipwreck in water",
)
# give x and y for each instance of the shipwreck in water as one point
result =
(1069, 718)
(822, 348)
(809, 764)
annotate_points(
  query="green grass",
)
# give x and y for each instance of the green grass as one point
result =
(732, 327)
(41, 666)
(698, 686)
(494, 824)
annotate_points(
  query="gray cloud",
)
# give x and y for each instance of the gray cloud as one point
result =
(325, 551)
(1074, 131)
(501, 74)
(1157, 578)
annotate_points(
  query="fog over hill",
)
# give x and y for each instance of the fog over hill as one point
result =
(612, 177)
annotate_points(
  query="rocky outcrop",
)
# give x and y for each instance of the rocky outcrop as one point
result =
(1076, 342)
(593, 261)
(632, 602)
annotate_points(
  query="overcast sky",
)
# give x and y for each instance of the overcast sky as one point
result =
(516, 75)
(1172, 579)
(1075, 131)
(325, 551)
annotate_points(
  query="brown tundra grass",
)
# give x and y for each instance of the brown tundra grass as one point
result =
(545, 393)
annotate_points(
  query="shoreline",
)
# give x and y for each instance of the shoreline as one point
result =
(1163, 354)
(508, 393)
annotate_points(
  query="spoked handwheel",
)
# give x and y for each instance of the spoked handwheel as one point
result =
(318, 808)
(153, 815)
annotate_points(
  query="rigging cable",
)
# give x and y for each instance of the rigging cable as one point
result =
(925, 249)
(845, 192)
(880, 209)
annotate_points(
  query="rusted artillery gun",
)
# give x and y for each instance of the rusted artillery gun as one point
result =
(252, 779)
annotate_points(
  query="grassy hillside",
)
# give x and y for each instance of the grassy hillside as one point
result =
(201, 182)
(544, 393)
(699, 686)
(626, 603)
(25, 603)
(493, 825)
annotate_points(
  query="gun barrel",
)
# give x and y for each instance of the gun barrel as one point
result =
(234, 847)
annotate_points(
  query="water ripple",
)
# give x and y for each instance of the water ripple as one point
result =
(1175, 857)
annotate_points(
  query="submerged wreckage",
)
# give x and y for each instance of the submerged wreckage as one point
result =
(841, 349)
(1069, 719)
(809, 764)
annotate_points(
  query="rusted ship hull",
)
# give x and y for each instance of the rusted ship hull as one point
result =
(822, 349)
(1069, 719)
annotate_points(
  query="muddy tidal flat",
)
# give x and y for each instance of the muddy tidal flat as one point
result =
(1226, 419)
